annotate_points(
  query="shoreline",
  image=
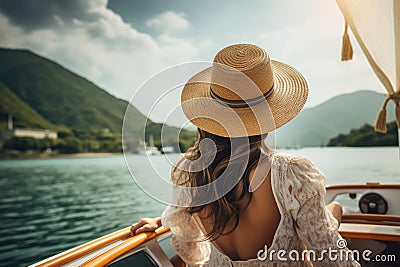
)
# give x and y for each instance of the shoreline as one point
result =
(52, 156)
(16, 156)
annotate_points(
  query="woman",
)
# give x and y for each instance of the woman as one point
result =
(236, 202)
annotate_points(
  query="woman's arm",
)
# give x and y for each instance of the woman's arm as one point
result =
(145, 225)
(336, 209)
(316, 223)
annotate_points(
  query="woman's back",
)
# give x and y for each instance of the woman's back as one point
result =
(261, 213)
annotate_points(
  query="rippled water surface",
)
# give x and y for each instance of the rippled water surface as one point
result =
(50, 205)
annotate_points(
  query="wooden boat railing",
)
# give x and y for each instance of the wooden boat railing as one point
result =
(124, 247)
(370, 226)
(77, 252)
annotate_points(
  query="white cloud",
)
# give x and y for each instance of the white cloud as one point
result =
(104, 49)
(170, 22)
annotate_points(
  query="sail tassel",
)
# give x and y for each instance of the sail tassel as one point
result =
(397, 114)
(380, 123)
(347, 48)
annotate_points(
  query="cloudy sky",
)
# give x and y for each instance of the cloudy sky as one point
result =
(119, 44)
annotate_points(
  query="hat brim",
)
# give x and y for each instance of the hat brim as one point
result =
(286, 101)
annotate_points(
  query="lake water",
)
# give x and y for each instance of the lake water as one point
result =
(50, 205)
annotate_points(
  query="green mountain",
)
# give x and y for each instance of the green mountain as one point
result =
(58, 95)
(315, 126)
(40, 93)
(23, 115)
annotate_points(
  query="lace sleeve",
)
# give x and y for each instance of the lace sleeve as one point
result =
(314, 223)
(187, 239)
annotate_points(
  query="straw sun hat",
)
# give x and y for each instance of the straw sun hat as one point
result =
(244, 93)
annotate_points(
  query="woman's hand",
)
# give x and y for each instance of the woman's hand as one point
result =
(145, 225)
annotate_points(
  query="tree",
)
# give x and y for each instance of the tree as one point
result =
(70, 145)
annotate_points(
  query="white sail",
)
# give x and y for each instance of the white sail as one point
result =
(376, 26)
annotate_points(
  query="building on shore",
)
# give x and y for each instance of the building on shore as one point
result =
(35, 133)
(26, 132)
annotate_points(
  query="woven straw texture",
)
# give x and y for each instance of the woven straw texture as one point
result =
(242, 72)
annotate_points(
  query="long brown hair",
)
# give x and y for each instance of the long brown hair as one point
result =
(241, 157)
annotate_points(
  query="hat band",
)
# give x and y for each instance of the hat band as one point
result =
(241, 103)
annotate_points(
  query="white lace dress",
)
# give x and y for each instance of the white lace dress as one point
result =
(299, 190)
